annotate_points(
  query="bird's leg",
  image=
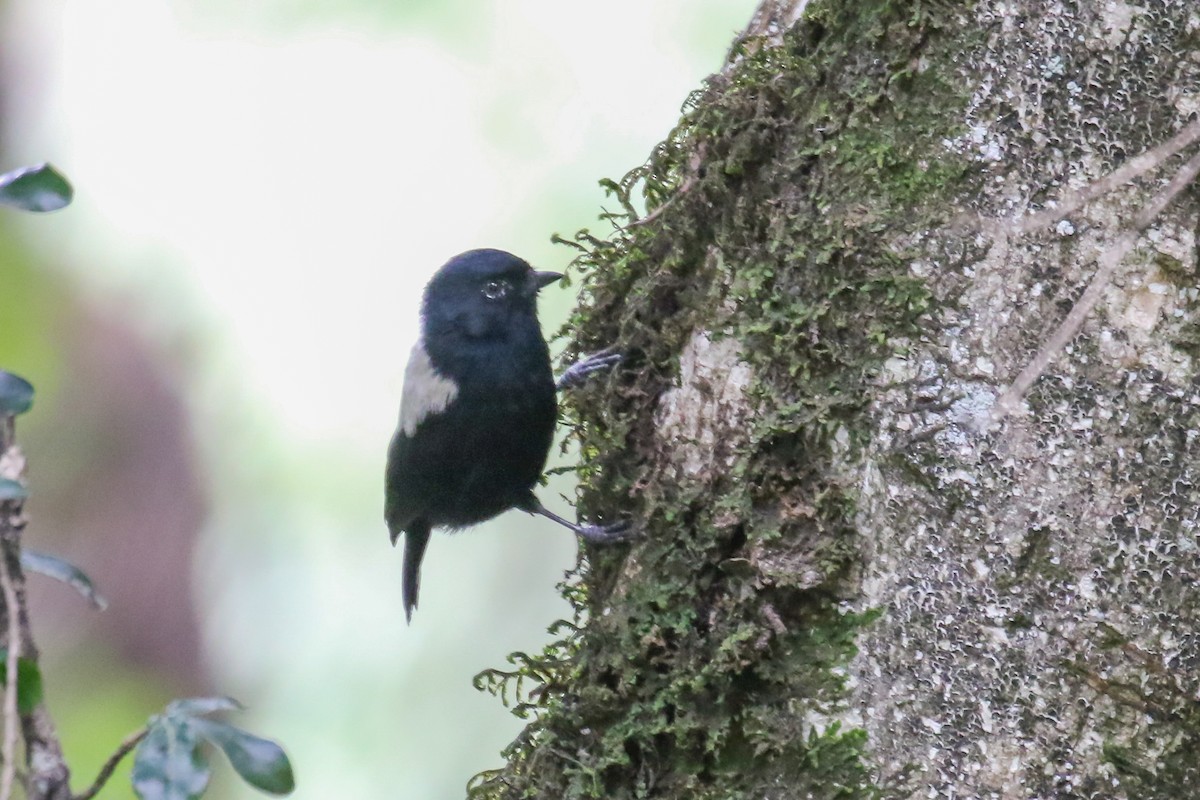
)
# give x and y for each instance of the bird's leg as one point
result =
(578, 372)
(597, 534)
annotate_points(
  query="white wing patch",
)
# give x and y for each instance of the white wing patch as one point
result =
(426, 391)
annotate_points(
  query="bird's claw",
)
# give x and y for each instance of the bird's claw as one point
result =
(578, 372)
(620, 531)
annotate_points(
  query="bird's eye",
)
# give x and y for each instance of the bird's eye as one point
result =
(494, 290)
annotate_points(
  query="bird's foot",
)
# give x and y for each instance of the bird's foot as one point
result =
(579, 372)
(620, 531)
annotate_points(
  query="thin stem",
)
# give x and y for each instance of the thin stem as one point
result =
(125, 748)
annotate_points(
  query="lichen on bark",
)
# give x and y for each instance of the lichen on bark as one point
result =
(843, 588)
(1038, 583)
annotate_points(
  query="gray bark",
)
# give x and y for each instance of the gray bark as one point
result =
(1040, 582)
(857, 578)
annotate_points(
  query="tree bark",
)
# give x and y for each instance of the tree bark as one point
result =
(859, 576)
(48, 776)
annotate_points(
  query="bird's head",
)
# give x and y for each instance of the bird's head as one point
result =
(483, 294)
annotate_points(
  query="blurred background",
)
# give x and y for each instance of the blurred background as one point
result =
(217, 329)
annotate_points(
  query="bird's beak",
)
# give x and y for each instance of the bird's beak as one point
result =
(540, 280)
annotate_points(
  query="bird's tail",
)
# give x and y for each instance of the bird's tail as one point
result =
(415, 539)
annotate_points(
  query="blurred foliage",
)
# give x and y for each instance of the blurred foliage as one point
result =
(171, 765)
(16, 394)
(38, 188)
(65, 572)
(29, 681)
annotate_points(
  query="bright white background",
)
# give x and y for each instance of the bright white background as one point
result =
(264, 186)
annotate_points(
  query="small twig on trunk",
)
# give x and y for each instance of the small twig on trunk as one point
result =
(1074, 199)
(126, 747)
(694, 164)
(1109, 260)
(10, 683)
(1133, 168)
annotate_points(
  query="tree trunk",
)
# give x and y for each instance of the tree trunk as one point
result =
(873, 562)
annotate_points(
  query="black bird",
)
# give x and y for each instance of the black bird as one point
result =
(478, 411)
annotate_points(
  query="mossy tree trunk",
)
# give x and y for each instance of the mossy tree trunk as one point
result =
(857, 579)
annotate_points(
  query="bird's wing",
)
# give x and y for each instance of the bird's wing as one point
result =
(401, 505)
(403, 514)
(426, 391)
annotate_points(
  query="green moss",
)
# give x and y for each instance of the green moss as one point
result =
(1172, 775)
(1163, 767)
(1174, 270)
(707, 659)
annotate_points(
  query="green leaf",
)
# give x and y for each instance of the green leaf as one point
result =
(68, 573)
(11, 490)
(261, 762)
(16, 394)
(29, 681)
(37, 188)
(168, 764)
(201, 706)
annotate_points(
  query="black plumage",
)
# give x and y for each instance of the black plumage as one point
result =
(478, 411)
